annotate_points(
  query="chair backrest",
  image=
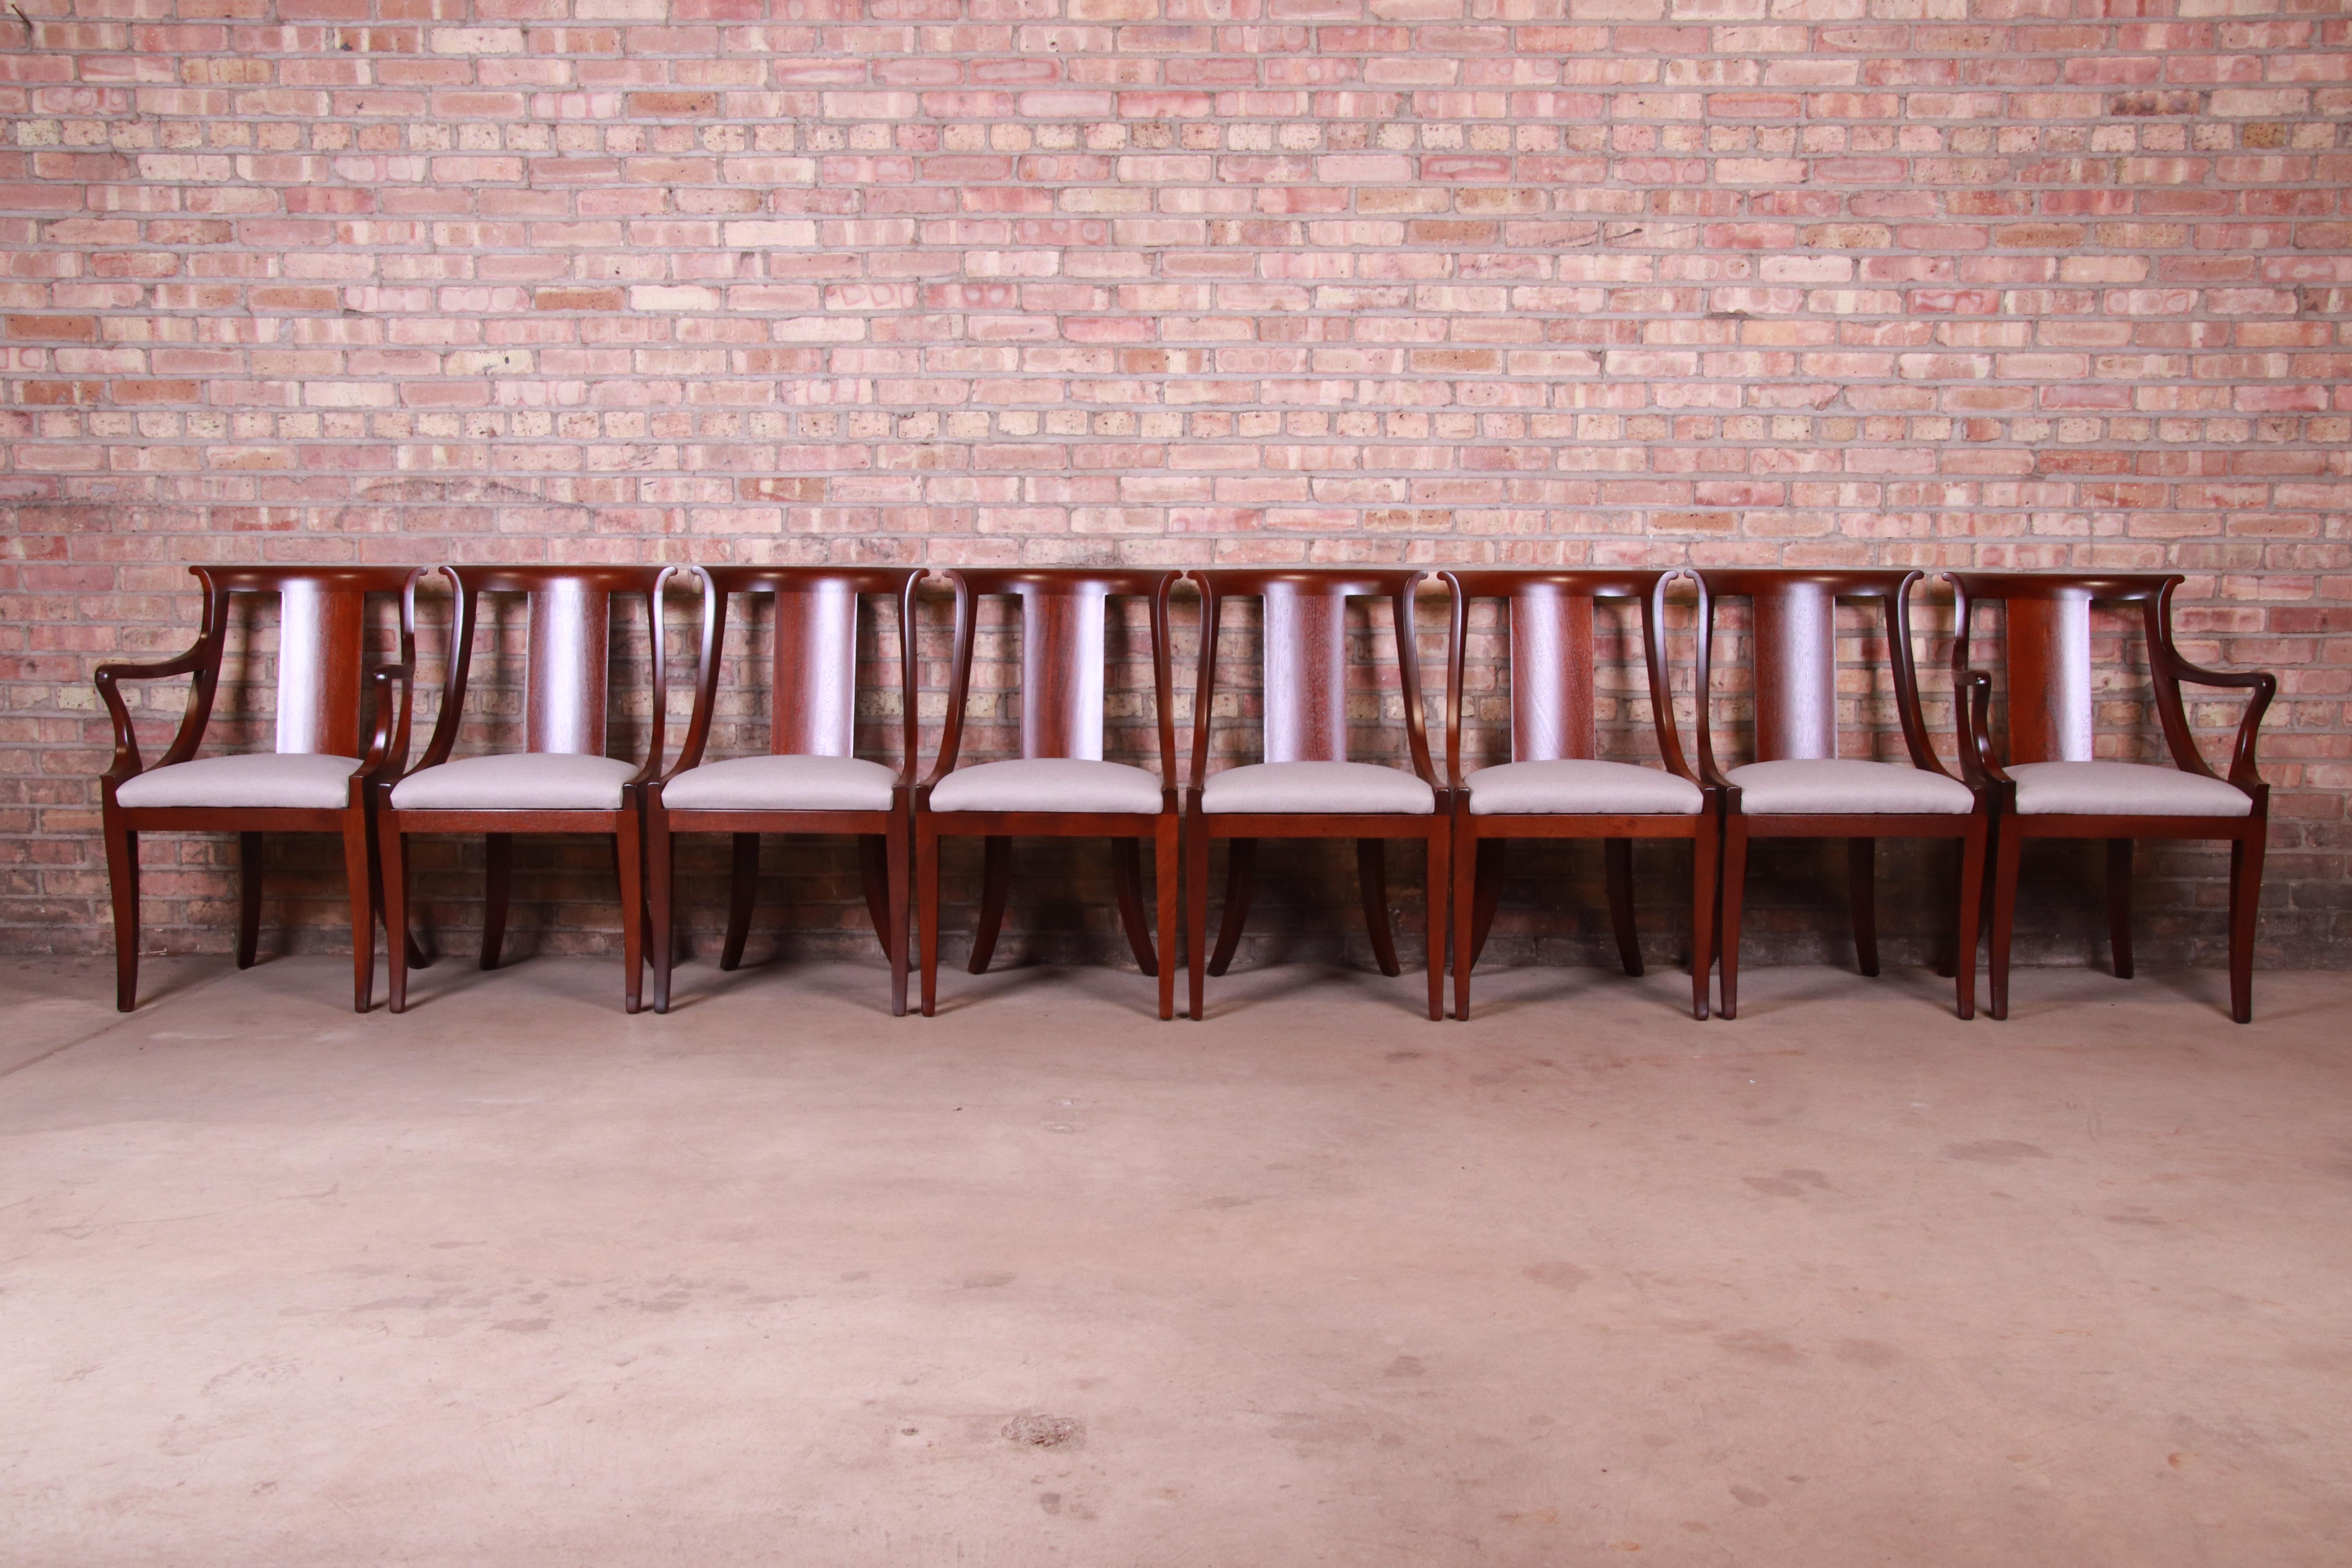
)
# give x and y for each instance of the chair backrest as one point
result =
(321, 640)
(1304, 656)
(568, 639)
(1793, 655)
(1549, 621)
(1064, 649)
(813, 687)
(2046, 650)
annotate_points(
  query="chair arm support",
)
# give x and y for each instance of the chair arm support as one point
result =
(388, 743)
(2262, 685)
(125, 764)
(1972, 719)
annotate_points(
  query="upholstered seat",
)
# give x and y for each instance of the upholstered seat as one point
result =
(1048, 783)
(782, 783)
(1580, 788)
(297, 781)
(1826, 787)
(1345, 787)
(518, 781)
(2123, 789)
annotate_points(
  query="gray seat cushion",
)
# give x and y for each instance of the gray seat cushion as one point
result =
(518, 781)
(1576, 787)
(2131, 789)
(782, 783)
(1825, 787)
(1355, 788)
(1048, 783)
(300, 781)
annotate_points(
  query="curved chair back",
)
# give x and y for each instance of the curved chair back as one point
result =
(2046, 649)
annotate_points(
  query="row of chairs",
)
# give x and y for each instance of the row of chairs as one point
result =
(2046, 783)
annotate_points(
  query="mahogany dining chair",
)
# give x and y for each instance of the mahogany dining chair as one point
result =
(561, 781)
(1061, 785)
(2053, 784)
(316, 778)
(810, 778)
(1304, 786)
(1800, 785)
(1555, 784)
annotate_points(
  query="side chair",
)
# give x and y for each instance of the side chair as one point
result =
(316, 778)
(1306, 787)
(561, 781)
(1060, 786)
(811, 779)
(1800, 786)
(1555, 784)
(2052, 785)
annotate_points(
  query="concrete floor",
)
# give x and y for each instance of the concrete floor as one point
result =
(778, 1279)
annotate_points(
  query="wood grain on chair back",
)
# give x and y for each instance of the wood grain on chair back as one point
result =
(2046, 649)
(321, 636)
(812, 681)
(1793, 653)
(1064, 652)
(568, 648)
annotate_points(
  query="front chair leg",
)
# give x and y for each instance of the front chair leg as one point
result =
(1862, 899)
(1706, 848)
(2007, 849)
(1127, 878)
(248, 899)
(1466, 854)
(894, 870)
(1434, 887)
(123, 880)
(1165, 883)
(1735, 892)
(1964, 947)
(359, 871)
(996, 893)
(391, 849)
(629, 849)
(2119, 904)
(2246, 906)
(497, 886)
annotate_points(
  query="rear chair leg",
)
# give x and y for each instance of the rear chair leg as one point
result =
(2245, 908)
(996, 893)
(1372, 882)
(123, 878)
(392, 848)
(1166, 882)
(894, 868)
(1735, 893)
(248, 899)
(742, 889)
(1241, 880)
(2119, 902)
(1862, 897)
(1127, 876)
(661, 866)
(629, 849)
(359, 871)
(1617, 858)
(498, 887)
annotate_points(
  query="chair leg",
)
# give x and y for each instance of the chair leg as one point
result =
(661, 869)
(874, 875)
(392, 851)
(2246, 906)
(926, 907)
(248, 899)
(1436, 885)
(1466, 852)
(629, 850)
(359, 871)
(1735, 893)
(1964, 943)
(996, 893)
(1165, 882)
(1372, 884)
(2119, 902)
(1196, 911)
(742, 889)
(497, 889)
(1707, 847)
(1127, 876)
(894, 870)
(1241, 880)
(1488, 896)
(2007, 849)
(1861, 899)
(1617, 858)
(122, 879)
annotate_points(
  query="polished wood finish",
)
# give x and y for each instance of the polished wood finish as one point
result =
(321, 631)
(1793, 657)
(1549, 619)
(813, 712)
(2047, 653)
(1303, 701)
(1064, 654)
(570, 613)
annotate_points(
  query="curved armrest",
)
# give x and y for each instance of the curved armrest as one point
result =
(1972, 717)
(2264, 685)
(125, 764)
(388, 743)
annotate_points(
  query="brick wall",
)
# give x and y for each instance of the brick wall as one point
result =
(1927, 282)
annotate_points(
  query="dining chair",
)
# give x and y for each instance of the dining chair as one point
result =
(314, 780)
(1799, 785)
(1306, 787)
(1555, 783)
(1061, 785)
(811, 779)
(2049, 781)
(561, 781)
